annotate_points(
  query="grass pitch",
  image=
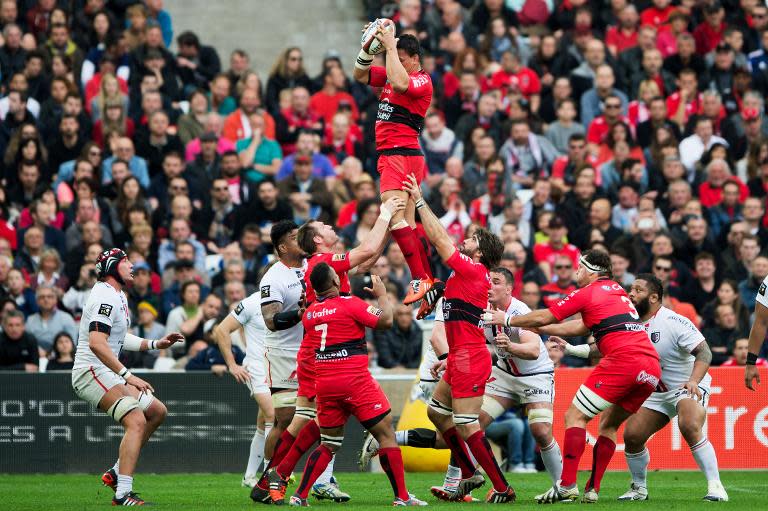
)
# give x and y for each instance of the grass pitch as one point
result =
(668, 491)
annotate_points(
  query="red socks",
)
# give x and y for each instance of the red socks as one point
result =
(460, 453)
(411, 246)
(573, 448)
(282, 447)
(306, 438)
(316, 463)
(423, 252)
(392, 463)
(601, 456)
(481, 449)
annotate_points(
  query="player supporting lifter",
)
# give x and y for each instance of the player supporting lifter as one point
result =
(253, 373)
(317, 240)
(405, 97)
(522, 375)
(282, 304)
(627, 374)
(335, 327)
(99, 378)
(458, 397)
(683, 391)
(757, 336)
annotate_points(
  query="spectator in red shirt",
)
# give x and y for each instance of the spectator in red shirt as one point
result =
(362, 188)
(666, 40)
(739, 355)
(687, 101)
(297, 117)
(601, 125)
(545, 253)
(657, 14)
(710, 32)
(564, 169)
(562, 284)
(341, 140)
(711, 190)
(513, 76)
(624, 35)
(327, 100)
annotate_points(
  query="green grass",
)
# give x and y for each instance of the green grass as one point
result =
(668, 491)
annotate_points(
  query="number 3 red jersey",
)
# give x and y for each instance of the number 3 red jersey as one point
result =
(335, 329)
(400, 118)
(609, 313)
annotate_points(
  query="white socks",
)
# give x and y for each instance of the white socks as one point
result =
(452, 478)
(325, 477)
(256, 455)
(124, 485)
(706, 459)
(116, 466)
(638, 466)
(553, 460)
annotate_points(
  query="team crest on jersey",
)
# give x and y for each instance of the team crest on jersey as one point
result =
(265, 291)
(762, 289)
(239, 308)
(374, 310)
(655, 337)
(339, 257)
(105, 309)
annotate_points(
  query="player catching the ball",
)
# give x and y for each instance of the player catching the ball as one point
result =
(99, 378)
(405, 97)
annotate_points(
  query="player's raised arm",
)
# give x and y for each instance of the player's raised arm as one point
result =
(221, 335)
(373, 243)
(756, 338)
(377, 289)
(396, 73)
(432, 226)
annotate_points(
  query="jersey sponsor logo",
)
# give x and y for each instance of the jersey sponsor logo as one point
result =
(321, 314)
(105, 309)
(643, 377)
(634, 327)
(762, 289)
(265, 291)
(374, 310)
(339, 257)
(536, 392)
(419, 81)
(239, 308)
(655, 337)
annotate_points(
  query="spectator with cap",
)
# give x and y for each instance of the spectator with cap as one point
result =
(48, 320)
(18, 349)
(722, 71)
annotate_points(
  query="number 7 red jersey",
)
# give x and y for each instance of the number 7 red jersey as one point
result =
(609, 313)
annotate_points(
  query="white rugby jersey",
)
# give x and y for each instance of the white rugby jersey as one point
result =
(283, 285)
(248, 314)
(761, 297)
(107, 306)
(674, 336)
(514, 365)
(430, 357)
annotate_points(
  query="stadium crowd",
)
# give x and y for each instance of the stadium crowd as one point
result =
(639, 128)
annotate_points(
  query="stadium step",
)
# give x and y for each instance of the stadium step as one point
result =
(264, 27)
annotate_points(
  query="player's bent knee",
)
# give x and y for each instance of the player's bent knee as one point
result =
(122, 407)
(541, 432)
(589, 403)
(492, 407)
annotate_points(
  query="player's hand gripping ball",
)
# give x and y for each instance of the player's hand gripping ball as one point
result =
(371, 45)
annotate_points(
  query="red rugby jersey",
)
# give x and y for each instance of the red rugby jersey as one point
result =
(400, 118)
(465, 298)
(609, 313)
(339, 262)
(335, 329)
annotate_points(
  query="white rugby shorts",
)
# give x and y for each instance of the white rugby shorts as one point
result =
(537, 388)
(281, 369)
(666, 402)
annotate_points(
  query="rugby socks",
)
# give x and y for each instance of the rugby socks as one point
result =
(452, 476)
(638, 466)
(575, 443)
(316, 464)
(256, 455)
(423, 252)
(410, 245)
(422, 438)
(306, 438)
(392, 463)
(706, 459)
(459, 452)
(327, 475)
(553, 460)
(601, 457)
(480, 447)
(124, 486)
(116, 466)
(282, 447)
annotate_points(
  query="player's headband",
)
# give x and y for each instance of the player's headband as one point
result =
(589, 266)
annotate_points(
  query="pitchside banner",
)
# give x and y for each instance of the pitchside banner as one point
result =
(44, 427)
(737, 424)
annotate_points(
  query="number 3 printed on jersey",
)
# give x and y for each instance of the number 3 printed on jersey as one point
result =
(323, 328)
(625, 299)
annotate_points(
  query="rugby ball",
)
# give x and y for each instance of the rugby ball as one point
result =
(370, 44)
